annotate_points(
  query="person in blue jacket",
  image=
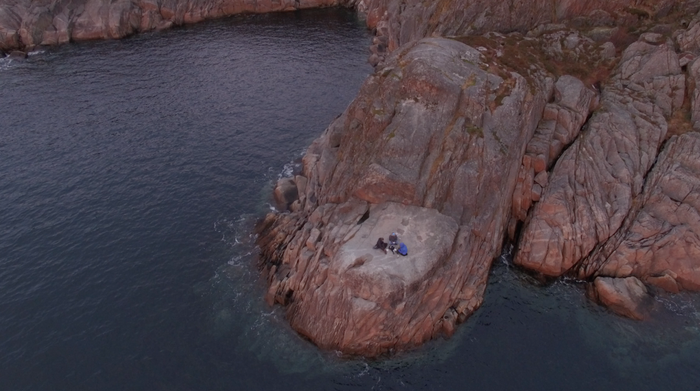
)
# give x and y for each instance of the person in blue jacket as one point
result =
(403, 250)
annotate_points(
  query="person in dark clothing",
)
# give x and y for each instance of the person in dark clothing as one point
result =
(381, 245)
(393, 242)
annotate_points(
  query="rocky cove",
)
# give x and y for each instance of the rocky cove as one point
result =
(568, 128)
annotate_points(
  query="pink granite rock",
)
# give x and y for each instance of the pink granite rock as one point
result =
(424, 151)
(594, 183)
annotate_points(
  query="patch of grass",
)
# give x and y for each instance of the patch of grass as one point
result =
(474, 131)
(471, 81)
(515, 53)
(679, 123)
(638, 12)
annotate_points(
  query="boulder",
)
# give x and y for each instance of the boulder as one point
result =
(624, 296)
(285, 193)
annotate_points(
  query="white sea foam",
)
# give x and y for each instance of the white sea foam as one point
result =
(5, 63)
(287, 171)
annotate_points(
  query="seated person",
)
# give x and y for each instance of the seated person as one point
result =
(403, 250)
(381, 245)
(393, 242)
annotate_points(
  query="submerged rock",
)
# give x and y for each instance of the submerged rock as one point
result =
(624, 296)
(18, 55)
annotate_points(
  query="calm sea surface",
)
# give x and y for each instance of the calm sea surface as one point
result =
(131, 173)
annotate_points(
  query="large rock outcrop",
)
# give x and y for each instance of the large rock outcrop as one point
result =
(660, 239)
(595, 182)
(430, 148)
(471, 140)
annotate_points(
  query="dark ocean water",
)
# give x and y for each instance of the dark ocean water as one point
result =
(131, 173)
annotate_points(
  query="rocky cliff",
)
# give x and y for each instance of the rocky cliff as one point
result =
(574, 139)
(430, 149)
(27, 23)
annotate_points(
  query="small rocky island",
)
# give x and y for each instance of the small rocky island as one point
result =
(569, 128)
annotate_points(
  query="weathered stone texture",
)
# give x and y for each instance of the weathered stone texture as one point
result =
(25, 23)
(425, 137)
(560, 125)
(401, 22)
(660, 241)
(624, 296)
(594, 183)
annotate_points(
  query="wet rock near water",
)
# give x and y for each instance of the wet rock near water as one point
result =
(17, 55)
(624, 296)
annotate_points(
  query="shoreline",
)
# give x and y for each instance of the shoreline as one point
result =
(23, 28)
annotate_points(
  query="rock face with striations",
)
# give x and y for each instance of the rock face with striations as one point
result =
(660, 239)
(595, 182)
(615, 208)
(400, 22)
(429, 149)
